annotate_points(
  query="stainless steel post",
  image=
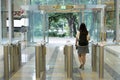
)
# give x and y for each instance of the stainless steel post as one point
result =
(11, 58)
(38, 51)
(94, 57)
(65, 58)
(117, 21)
(6, 62)
(1, 21)
(19, 53)
(41, 59)
(16, 57)
(101, 62)
(69, 61)
(10, 20)
(43, 63)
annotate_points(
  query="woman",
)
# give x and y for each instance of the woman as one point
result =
(82, 38)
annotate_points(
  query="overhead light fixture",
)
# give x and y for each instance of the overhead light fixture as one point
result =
(63, 7)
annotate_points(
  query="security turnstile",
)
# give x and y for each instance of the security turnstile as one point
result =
(98, 59)
(94, 57)
(6, 61)
(15, 56)
(40, 51)
(68, 52)
(12, 58)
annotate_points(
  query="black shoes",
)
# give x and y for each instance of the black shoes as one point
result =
(81, 67)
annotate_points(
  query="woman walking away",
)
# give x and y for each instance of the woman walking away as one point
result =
(82, 38)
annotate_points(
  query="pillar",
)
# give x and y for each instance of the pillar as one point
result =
(10, 20)
(117, 21)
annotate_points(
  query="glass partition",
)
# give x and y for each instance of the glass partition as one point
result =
(63, 2)
(92, 21)
(96, 26)
(3, 35)
(38, 26)
(3, 16)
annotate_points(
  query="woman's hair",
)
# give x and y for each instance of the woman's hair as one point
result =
(83, 28)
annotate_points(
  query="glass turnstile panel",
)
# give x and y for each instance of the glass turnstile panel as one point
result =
(63, 2)
(92, 21)
(38, 27)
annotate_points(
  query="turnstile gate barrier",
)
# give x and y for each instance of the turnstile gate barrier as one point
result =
(40, 51)
(98, 59)
(12, 59)
(15, 57)
(6, 61)
(68, 52)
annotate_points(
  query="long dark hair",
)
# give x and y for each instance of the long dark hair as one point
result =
(83, 29)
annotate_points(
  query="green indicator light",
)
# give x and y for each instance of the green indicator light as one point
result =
(63, 7)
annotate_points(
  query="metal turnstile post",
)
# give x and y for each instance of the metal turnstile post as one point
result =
(40, 51)
(15, 57)
(43, 63)
(94, 57)
(12, 67)
(69, 60)
(101, 62)
(98, 59)
(65, 57)
(19, 54)
(6, 62)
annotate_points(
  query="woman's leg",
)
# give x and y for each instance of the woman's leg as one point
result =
(80, 60)
(83, 58)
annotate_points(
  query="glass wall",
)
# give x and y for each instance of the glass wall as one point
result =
(30, 18)
(38, 26)
(63, 2)
(3, 34)
(3, 26)
(92, 20)
(110, 19)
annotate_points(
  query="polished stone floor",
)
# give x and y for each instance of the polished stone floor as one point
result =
(55, 66)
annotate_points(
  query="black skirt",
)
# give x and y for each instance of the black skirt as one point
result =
(83, 49)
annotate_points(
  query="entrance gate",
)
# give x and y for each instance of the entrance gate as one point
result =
(43, 11)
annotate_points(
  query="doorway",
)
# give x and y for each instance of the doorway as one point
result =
(91, 15)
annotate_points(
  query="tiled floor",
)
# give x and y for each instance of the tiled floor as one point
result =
(55, 68)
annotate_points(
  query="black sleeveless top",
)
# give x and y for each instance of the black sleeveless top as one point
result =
(83, 39)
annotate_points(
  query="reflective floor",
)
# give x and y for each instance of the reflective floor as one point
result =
(55, 68)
